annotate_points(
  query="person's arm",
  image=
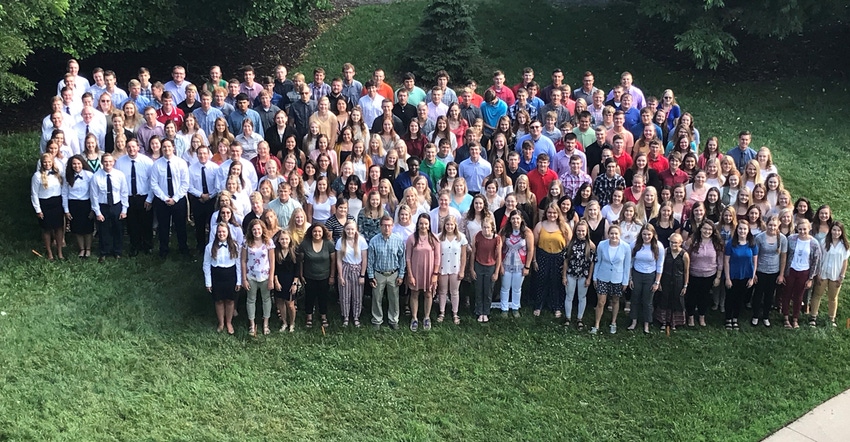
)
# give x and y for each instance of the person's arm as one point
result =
(244, 260)
(627, 264)
(333, 268)
(94, 195)
(208, 269)
(531, 249)
(435, 275)
(687, 261)
(402, 266)
(498, 257)
(338, 264)
(272, 264)
(408, 248)
(726, 271)
(364, 261)
(463, 257)
(124, 196)
(591, 269)
(472, 257)
(755, 268)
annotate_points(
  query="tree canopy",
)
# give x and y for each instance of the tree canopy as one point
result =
(87, 27)
(709, 29)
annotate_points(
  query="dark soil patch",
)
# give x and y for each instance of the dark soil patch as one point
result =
(196, 52)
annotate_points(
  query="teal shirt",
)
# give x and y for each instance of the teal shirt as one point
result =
(435, 172)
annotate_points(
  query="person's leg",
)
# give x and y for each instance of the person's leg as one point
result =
(768, 295)
(163, 229)
(454, 292)
(392, 293)
(569, 295)
(146, 229)
(798, 293)
(833, 287)
(442, 291)
(47, 238)
(251, 305)
(758, 295)
(505, 292)
(266, 296)
(357, 294)
(414, 305)
(615, 306)
(87, 240)
(310, 295)
(489, 271)
(228, 315)
(81, 244)
(479, 289)
(133, 219)
(290, 313)
(323, 287)
(179, 219)
(105, 236)
(378, 299)
(219, 314)
(582, 299)
(116, 229)
(280, 304)
(346, 291)
(601, 298)
(817, 294)
(429, 302)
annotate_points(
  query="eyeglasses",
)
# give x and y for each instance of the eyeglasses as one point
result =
(536, 127)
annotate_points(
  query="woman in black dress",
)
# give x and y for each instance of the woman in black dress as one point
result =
(223, 275)
(46, 199)
(285, 284)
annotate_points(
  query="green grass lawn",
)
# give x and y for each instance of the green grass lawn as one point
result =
(127, 351)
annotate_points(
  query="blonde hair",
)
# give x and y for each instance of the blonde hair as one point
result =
(344, 241)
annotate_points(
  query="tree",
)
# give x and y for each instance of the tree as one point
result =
(445, 40)
(709, 29)
(17, 18)
(86, 27)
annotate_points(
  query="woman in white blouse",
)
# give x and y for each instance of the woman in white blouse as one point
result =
(46, 199)
(76, 202)
(832, 272)
(222, 275)
(453, 248)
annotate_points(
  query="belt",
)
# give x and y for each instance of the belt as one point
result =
(387, 273)
(138, 196)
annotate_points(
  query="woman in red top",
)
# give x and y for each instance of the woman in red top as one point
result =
(422, 252)
(486, 249)
(414, 139)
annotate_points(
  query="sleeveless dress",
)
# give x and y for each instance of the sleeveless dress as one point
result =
(669, 307)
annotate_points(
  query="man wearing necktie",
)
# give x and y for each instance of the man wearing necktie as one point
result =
(109, 202)
(137, 170)
(170, 184)
(202, 176)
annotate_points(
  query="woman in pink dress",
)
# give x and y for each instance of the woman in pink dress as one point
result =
(423, 269)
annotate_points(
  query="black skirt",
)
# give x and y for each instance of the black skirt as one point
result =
(223, 283)
(54, 214)
(81, 222)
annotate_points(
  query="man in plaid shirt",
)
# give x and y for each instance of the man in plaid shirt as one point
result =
(575, 177)
(606, 183)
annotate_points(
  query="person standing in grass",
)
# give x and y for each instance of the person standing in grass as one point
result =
(578, 271)
(517, 256)
(740, 265)
(258, 265)
(222, 274)
(285, 283)
(453, 249)
(773, 248)
(648, 264)
(422, 252)
(674, 283)
(385, 269)
(551, 237)
(76, 191)
(316, 257)
(351, 259)
(46, 198)
(611, 275)
(705, 250)
(486, 249)
(801, 267)
(832, 271)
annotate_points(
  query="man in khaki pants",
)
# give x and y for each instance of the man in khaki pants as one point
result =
(385, 269)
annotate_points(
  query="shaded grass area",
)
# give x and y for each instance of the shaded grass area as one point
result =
(127, 351)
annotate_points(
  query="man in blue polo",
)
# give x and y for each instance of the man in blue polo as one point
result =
(742, 153)
(541, 144)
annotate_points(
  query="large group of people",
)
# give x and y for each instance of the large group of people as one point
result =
(366, 192)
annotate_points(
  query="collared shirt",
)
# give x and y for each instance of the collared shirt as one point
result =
(145, 133)
(449, 96)
(604, 187)
(541, 145)
(119, 190)
(222, 260)
(176, 115)
(516, 107)
(118, 96)
(79, 191)
(299, 115)
(741, 157)
(93, 128)
(284, 210)
(638, 100)
(234, 121)
(141, 103)
(249, 173)
(206, 118)
(470, 113)
(561, 163)
(475, 172)
(573, 182)
(505, 94)
(371, 108)
(178, 92)
(353, 90)
(436, 110)
(38, 191)
(147, 92)
(415, 96)
(434, 171)
(581, 93)
(251, 91)
(560, 110)
(81, 83)
(267, 116)
(225, 109)
(196, 186)
(179, 178)
(385, 255)
(319, 90)
(96, 91)
(669, 179)
(144, 167)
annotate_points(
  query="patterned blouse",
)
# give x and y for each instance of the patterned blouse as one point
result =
(258, 260)
(578, 265)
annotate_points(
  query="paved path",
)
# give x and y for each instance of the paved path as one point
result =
(827, 423)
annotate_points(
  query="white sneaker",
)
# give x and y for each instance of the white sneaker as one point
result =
(754, 322)
(613, 329)
(594, 330)
(766, 322)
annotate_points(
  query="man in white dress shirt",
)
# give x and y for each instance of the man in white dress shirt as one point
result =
(177, 86)
(109, 202)
(137, 170)
(88, 125)
(170, 184)
(202, 193)
(248, 171)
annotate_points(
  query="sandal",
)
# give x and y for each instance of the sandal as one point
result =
(787, 324)
(441, 317)
(325, 323)
(795, 325)
(252, 331)
(266, 330)
(456, 319)
(357, 323)
(309, 323)
(813, 321)
(283, 328)
(580, 325)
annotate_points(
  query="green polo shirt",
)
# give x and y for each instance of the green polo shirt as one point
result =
(435, 172)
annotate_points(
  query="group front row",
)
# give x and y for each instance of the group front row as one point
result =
(673, 285)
